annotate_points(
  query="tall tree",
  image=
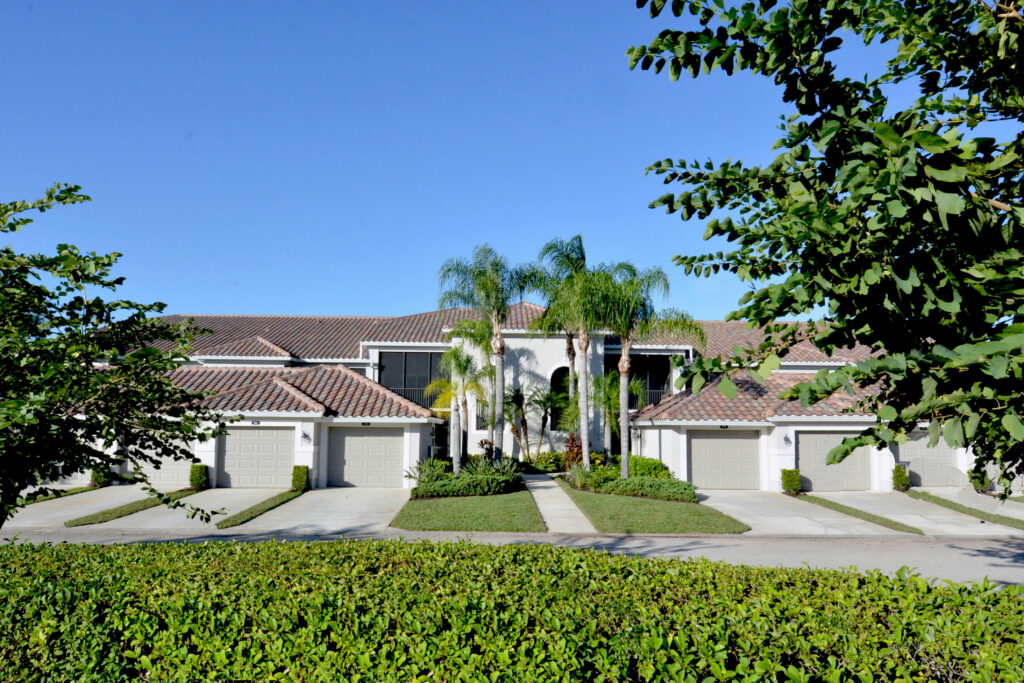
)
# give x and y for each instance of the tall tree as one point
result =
(490, 285)
(478, 334)
(605, 392)
(545, 401)
(901, 220)
(84, 381)
(451, 393)
(561, 259)
(517, 402)
(631, 315)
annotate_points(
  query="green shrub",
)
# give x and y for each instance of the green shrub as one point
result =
(469, 485)
(640, 466)
(431, 469)
(300, 478)
(900, 481)
(979, 480)
(548, 461)
(506, 467)
(652, 487)
(199, 477)
(600, 475)
(791, 482)
(101, 476)
(391, 610)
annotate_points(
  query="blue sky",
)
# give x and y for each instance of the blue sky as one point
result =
(326, 158)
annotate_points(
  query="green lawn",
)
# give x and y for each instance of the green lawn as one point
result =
(258, 509)
(58, 494)
(966, 510)
(503, 512)
(861, 514)
(124, 510)
(631, 515)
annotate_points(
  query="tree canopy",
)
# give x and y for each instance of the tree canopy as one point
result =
(84, 381)
(898, 226)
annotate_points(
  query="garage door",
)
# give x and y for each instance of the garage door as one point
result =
(257, 458)
(365, 457)
(74, 479)
(171, 473)
(724, 460)
(852, 474)
(930, 466)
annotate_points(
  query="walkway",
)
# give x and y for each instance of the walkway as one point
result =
(556, 507)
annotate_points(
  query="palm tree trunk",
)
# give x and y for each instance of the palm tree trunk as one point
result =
(607, 418)
(465, 418)
(499, 394)
(584, 399)
(570, 351)
(624, 410)
(455, 443)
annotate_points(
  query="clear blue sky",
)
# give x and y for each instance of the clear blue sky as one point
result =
(327, 157)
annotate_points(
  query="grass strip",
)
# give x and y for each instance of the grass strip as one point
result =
(861, 514)
(967, 510)
(125, 510)
(611, 514)
(501, 512)
(258, 509)
(1016, 499)
(58, 494)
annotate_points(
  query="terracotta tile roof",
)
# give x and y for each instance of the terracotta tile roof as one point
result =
(332, 390)
(328, 337)
(754, 401)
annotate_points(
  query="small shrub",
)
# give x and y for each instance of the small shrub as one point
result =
(199, 477)
(432, 469)
(980, 481)
(573, 451)
(900, 481)
(468, 485)
(600, 475)
(791, 482)
(576, 475)
(100, 477)
(640, 466)
(506, 467)
(597, 458)
(300, 478)
(652, 487)
(548, 461)
(488, 448)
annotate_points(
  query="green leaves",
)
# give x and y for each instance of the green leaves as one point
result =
(888, 136)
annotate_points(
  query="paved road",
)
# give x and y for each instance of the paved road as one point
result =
(1001, 560)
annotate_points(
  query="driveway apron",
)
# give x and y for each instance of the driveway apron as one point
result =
(336, 510)
(53, 513)
(776, 514)
(160, 517)
(560, 514)
(930, 518)
(980, 501)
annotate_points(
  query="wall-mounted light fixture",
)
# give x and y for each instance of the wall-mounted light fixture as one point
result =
(786, 440)
(306, 438)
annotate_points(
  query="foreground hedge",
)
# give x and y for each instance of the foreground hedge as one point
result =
(652, 487)
(384, 611)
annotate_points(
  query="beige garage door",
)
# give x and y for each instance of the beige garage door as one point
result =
(359, 456)
(930, 466)
(724, 460)
(852, 474)
(257, 457)
(171, 473)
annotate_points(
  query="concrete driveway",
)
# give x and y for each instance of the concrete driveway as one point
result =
(932, 519)
(53, 513)
(980, 501)
(231, 500)
(776, 514)
(341, 510)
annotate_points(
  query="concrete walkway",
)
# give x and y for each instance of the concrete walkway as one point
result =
(556, 507)
(979, 501)
(932, 519)
(775, 514)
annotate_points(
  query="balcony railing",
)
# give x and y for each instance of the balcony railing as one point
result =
(414, 394)
(653, 396)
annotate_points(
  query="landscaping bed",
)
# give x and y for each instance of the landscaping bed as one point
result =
(502, 512)
(383, 611)
(626, 514)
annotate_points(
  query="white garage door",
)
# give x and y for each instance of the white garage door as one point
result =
(852, 474)
(365, 457)
(171, 473)
(75, 479)
(930, 466)
(257, 457)
(724, 460)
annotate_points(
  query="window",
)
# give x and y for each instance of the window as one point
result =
(408, 373)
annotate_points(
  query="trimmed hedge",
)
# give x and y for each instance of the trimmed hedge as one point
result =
(385, 611)
(791, 482)
(640, 466)
(469, 485)
(900, 481)
(652, 487)
(300, 478)
(199, 477)
(258, 509)
(100, 477)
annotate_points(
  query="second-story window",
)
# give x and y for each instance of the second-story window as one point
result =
(407, 373)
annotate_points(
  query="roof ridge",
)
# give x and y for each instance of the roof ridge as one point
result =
(273, 346)
(299, 394)
(377, 386)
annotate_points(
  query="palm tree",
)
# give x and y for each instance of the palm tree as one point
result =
(490, 285)
(545, 401)
(605, 392)
(580, 304)
(518, 404)
(478, 334)
(463, 378)
(630, 314)
(561, 260)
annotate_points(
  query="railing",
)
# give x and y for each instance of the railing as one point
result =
(653, 396)
(416, 395)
